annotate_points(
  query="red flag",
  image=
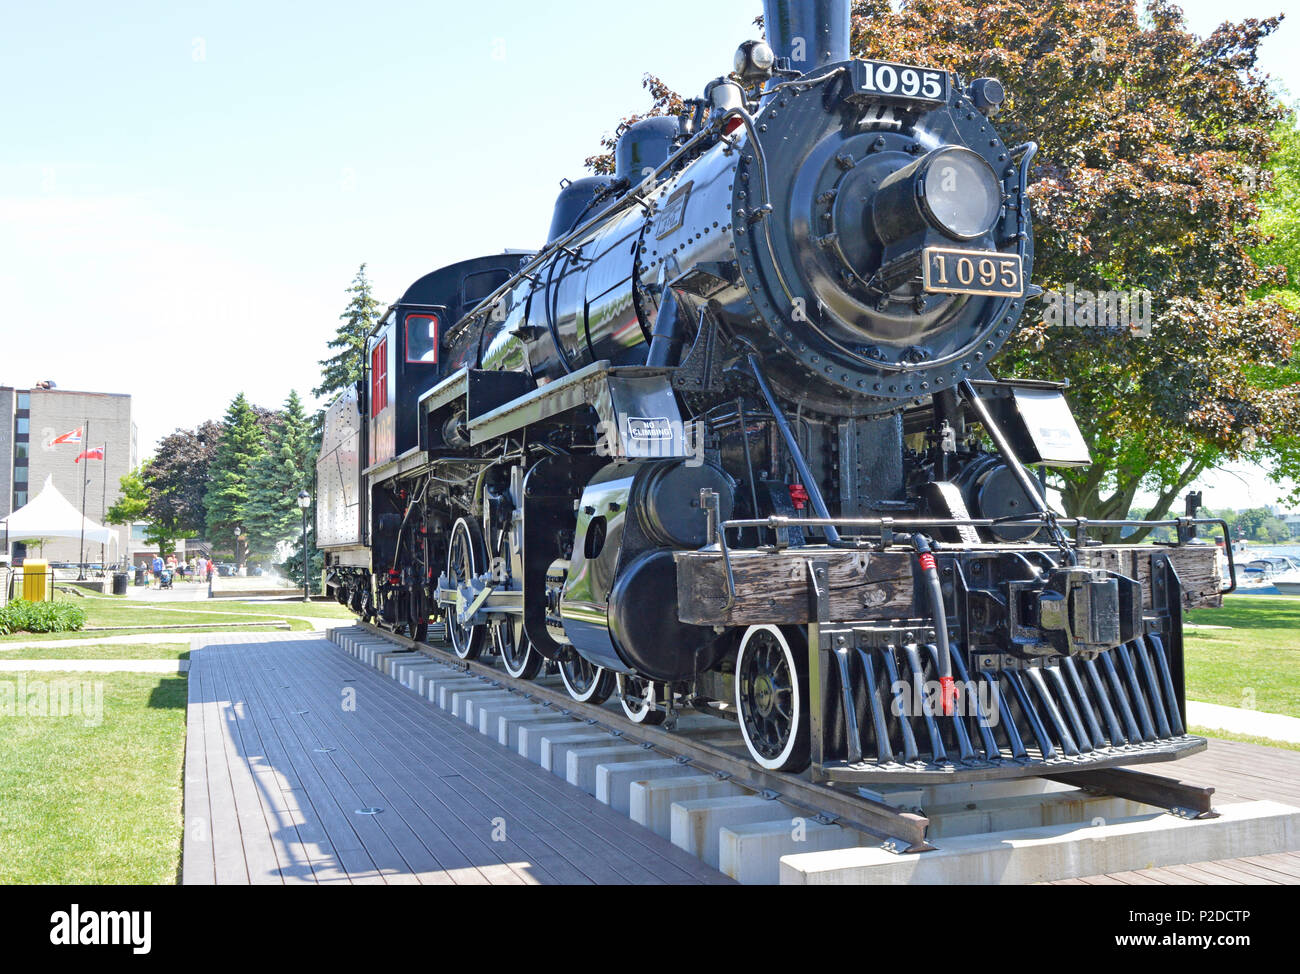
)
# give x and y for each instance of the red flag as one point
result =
(72, 436)
(96, 454)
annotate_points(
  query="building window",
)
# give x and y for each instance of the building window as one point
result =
(20, 499)
(21, 426)
(422, 338)
(24, 400)
(20, 450)
(20, 475)
(379, 378)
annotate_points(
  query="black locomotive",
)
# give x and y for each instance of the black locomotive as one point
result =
(729, 442)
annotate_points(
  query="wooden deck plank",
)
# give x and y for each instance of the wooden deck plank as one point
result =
(353, 858)
(197, 862)
(293, 836)
(227, 836)
(390, 864)
(272, 704)
(260, 855)
(433, 798)
(636, 853)
(420, 837)
(440, 733)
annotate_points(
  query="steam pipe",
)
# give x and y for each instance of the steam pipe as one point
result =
(787, 434)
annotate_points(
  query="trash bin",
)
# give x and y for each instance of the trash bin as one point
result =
(119, 583)
(36, 575)
(140, 577)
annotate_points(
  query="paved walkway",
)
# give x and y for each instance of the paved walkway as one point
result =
(97, 665)
(303, 766)
(1253, 723)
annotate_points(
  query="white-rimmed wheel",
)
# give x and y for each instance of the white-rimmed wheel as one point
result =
(465, 560)
(638, 699)
(518, 657)
(511, 643)
(772, 696)
(585, 681)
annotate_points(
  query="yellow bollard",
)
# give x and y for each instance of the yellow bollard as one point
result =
(35, 579)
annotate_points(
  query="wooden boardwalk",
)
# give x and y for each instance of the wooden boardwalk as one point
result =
(1238, 772)
(289, 739)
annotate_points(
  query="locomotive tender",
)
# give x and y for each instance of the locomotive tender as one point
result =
(729, 442)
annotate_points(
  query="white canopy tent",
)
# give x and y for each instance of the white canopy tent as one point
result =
(49, 515)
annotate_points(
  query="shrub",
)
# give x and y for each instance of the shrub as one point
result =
(22, 616)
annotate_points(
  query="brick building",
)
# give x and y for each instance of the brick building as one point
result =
(30, 420)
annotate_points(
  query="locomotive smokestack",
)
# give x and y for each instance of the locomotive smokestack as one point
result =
(808, 33)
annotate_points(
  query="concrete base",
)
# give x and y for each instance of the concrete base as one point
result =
(473, 709)
(553, 754)
(440, 690)
(509, 726)
(1061, 851)
(487, 714)
(751, 854)
(460, 699)
(614, 781)
(580, 763)
(1005, 814)
(653, 803)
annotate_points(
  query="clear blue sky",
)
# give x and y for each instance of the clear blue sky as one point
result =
(186, 189)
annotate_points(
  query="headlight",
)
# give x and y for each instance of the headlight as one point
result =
(959, 192)
(951, 189)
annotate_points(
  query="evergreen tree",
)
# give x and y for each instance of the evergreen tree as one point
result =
(239, 448)
(345, 367)
(271, 514)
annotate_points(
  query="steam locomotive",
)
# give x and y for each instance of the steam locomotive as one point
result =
(729, 442)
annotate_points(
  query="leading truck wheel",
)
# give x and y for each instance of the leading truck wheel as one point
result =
(772, 697)
(638, 699)
(465, 560)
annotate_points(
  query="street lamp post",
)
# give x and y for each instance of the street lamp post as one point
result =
(238, 532)
(304, 502)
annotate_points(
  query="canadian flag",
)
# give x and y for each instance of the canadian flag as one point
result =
(96, 454)
(72, 436)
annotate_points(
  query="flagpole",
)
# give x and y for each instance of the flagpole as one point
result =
(103, 507)
(81, 562)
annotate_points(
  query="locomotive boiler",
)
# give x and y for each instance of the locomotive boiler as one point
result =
(729, 442)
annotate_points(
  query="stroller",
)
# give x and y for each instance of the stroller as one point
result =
(165, 578)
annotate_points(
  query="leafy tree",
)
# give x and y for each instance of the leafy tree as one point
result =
(177, 476)
(136, 504)
(272, 514)
(1280, 210)
(239, 447)
(346, 366)
(132, 502)
(1148, 135)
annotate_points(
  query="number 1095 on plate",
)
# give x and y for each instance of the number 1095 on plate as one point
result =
(972, 272)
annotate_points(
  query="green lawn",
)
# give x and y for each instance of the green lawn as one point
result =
(176, 650)
(129, 614)
(93, 804)
(1254, 664)
(1223, 735)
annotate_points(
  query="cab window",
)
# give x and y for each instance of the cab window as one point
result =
(422, 338)
(379, 378)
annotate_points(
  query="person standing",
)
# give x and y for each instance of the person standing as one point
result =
(156, 566)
